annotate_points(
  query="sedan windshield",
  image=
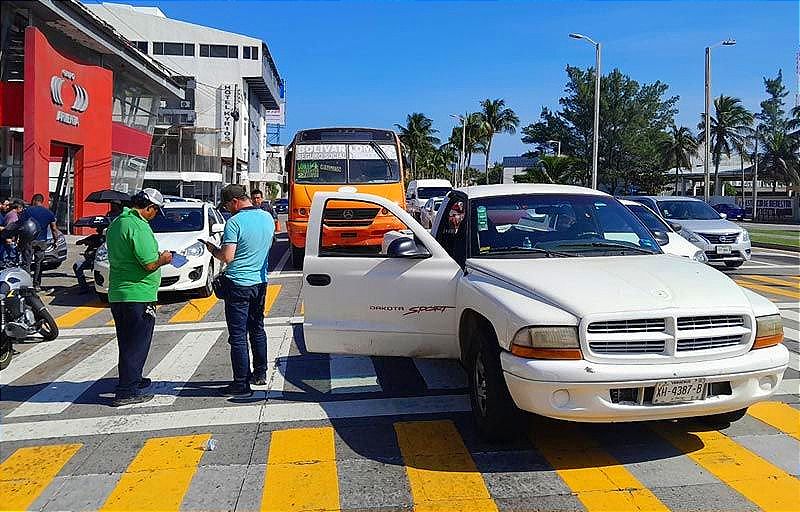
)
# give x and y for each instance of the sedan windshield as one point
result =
(347, 163)
(178, 220)
(687, 210)
(556, 225)
(649, 218)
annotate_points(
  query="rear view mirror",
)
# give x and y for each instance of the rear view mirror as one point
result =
(676, 227)
(406, 248)
(661, 237)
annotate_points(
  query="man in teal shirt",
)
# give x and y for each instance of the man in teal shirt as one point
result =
(134, 279)
(246, 242)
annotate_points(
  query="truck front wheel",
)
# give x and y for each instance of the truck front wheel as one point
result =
(496, 415)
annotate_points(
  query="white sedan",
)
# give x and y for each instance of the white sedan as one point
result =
(671, 241)
(179, 229)
(428, 211)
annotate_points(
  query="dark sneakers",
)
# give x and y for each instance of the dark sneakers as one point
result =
(119, 401)
(237, 390)
(145, 383)
(258, 380)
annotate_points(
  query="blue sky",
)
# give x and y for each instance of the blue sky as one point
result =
(371, 63)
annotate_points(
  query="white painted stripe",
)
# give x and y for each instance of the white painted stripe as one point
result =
(792, 334)
(754, 262)
(766, 250)
(794, 361)
(178, 366)
(789, 387)
(787, 305)
(33, 357)
(188, 326)
(441, 373)
(281, 275)
(284, 258)
(770, 265)
(353, 374)
(278, 348)
(59, 394)
(791, 315)
(236, 415)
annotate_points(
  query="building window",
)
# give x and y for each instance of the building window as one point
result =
(245, 52)
(204, 50)
(219, 50)
(254, 53)
(165, 48)
(222, 51)
(233, 52)
(141, 46)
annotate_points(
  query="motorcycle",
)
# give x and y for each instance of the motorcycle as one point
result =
(22, 313)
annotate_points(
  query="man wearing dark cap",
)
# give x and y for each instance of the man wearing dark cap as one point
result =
(246, 242)
(134, 279)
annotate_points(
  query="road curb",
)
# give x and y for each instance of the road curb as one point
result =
(764, 245)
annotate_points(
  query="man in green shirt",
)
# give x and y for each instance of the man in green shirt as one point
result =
(134, 279)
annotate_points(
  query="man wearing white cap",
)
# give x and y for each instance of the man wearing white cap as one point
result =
(134, 279)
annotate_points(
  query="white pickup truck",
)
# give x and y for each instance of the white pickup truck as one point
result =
(556, 299)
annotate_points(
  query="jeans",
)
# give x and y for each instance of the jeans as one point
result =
(134, 323)
(31, 255)
(244, 314)
(79, 268)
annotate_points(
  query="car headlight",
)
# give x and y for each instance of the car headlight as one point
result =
(745, 236)
(196, 249)
(692, 237)
(558, 342)
(769, 331)
(102, 253)
(700, 256)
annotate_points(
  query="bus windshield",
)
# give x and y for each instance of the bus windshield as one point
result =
(356, 163)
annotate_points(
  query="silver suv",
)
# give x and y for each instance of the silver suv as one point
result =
(721, 240)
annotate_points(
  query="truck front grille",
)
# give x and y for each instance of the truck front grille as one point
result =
(627, 347)
(626, 326)
(709, 322)
(706, 343)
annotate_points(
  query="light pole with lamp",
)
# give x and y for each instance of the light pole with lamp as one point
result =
(596, 134)
(463, 120)
(558, 143)
(707, 118)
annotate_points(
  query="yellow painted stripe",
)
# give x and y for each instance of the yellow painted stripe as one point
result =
(766, 485)
(774, 280)
(302, 308)
(80, 313)
(301, 471)
(28, 471)
(272, 295)
(160, 475)
(597, 478)
(194, 310)
(769, 289)
(440, 469)
(779, 415)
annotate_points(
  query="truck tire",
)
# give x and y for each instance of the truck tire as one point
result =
(496, 416)
(724, 418)
(298, 253)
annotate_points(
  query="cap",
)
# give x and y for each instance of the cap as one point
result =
(154, 196)
(232, 192)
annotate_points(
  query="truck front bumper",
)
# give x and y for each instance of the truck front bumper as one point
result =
(591, 392)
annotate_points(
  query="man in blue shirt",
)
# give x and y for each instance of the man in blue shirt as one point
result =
(33, 253)
(246, 242)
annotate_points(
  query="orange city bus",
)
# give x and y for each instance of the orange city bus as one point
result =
(365, 160)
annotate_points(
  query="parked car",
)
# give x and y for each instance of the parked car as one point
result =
(281, 206)
(666, 236)
(731, 211)
(178, 229)
(419, 191)
(556, 300)
(56, 254)
(428, 211)
(721, 240)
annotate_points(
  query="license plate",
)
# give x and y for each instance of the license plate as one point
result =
(723, 249)
(674, 391)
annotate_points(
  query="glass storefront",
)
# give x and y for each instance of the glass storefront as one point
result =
(10, 163)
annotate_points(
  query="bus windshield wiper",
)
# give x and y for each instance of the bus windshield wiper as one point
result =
(378, 149)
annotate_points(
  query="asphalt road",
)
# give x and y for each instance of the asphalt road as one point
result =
(352, 433)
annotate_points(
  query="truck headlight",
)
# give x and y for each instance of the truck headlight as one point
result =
(557, 342)
(102, 253)
(196, 249)
(769, 331)
(745, 236)
(700, 256)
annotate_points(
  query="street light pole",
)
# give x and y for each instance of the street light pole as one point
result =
(461, 155)
(755, 179)
(558, 143)
(596, 134)
(707, 118)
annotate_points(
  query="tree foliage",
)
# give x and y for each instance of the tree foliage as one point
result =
(731, 124)
(677, 150)
(495, 117)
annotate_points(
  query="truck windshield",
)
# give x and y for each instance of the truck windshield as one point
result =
(429, 192)
(347, 163)
(687, 210)
(584, 225)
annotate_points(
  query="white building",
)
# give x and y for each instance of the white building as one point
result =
(223, 73)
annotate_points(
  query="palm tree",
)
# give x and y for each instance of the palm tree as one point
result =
(551, 169)
(731, 123)
(677, 149)
(496, 118)
(417, 136)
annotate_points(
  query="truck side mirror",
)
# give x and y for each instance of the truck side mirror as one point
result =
(406, 248)
(661, 237)
(675, 226)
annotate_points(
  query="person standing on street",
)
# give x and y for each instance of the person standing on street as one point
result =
(246, 242)
(134, 279)
(31, 254)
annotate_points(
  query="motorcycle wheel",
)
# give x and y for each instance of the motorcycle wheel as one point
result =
(6, 352)
(48, 327)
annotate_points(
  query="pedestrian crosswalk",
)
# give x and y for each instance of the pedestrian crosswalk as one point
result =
(429, 465)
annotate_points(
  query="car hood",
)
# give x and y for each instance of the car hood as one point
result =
(709, 226)
(178, 241)
(597, 285)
